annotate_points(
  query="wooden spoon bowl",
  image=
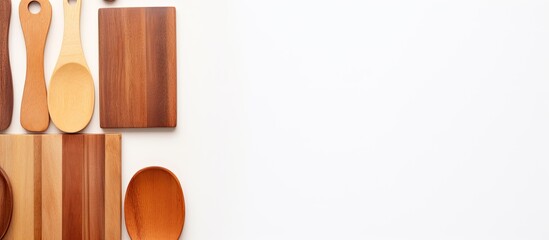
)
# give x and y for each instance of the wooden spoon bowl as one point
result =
(6, 203)
(71, 95)
(154, 207)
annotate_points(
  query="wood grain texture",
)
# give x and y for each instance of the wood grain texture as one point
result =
(6, 85)
(6, 203)
(154, 206)
(34, 106)
(52, 183)
(137, 67)
(37, 187)
(71, 95)
(113, 193)
(65, 187)
(17, 160)
(73, 186)
(94, 150)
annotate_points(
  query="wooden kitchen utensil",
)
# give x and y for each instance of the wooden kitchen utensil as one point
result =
(6, 203)
(6, 87)
(64, 186)
(137, 67)
(71, 91)
(34, 107)
(154, 206)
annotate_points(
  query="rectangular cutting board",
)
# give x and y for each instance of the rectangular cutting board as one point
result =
(137, 67)
(64, 186)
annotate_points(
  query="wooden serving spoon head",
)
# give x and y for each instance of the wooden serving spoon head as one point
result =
(71, 95)
(154, 207)
(34, 106)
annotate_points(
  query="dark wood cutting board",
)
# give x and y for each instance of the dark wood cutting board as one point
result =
(137, 67)
(6, 87)
(64, 186)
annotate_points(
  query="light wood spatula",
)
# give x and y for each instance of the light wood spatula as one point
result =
(71, 92)
(34, 106)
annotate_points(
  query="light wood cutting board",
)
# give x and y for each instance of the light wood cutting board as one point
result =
(64, 186)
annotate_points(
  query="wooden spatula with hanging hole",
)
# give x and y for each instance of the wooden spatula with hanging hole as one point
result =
(34, 107)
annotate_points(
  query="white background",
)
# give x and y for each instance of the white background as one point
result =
(350, 119)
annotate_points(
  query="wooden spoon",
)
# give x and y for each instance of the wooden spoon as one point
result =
(6, 203)
(34, 107)
(154, 207)
(6, 88)
(71, 92)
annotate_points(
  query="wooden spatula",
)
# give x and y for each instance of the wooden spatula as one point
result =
(154, 206)
(6, 203)
(6, 88)
(71, 92)
(34, 107)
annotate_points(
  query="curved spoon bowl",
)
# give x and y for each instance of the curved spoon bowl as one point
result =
(71, 97)
(154, 206)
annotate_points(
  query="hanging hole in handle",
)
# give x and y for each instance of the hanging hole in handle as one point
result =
(34, 7)
(71, 2)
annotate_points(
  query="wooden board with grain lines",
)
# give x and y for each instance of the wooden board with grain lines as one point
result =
(64, 186)
(137, 67)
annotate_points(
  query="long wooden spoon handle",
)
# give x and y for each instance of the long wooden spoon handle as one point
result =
(72, 45)
(34, 107)
(6, 87)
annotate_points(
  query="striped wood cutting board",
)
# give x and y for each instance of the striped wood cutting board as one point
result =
(64, 186)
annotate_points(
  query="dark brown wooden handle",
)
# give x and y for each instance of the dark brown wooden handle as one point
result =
(6, 87)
